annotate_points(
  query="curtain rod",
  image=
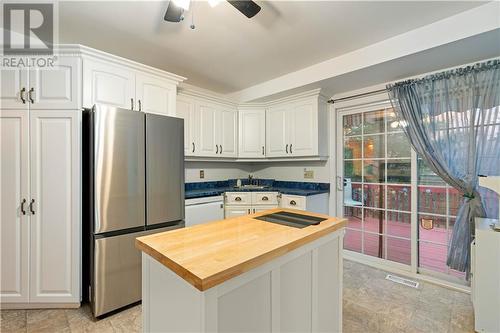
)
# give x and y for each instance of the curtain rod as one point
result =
(331, 101)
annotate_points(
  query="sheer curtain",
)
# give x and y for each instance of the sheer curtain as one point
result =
(452, 120)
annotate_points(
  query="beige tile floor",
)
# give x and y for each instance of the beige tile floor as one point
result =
(371, 305)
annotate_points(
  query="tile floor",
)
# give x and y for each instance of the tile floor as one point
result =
(371, 304)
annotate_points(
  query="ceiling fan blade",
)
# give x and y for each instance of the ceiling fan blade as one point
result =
(173, 13)
(248, 8)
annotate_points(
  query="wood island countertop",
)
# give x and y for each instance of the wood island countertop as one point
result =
(208, 254)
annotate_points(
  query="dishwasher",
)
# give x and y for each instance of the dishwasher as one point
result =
(202, 210)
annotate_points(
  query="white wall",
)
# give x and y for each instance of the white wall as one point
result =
(293, 171)
(290, 171)
(216, 171)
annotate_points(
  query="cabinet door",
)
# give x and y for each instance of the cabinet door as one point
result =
(14, 88)
(206, 121)
(56, 88)
(293, 201)
(237, 211)
(226, 129)
(276, 133)
(303, 129)
(155, 95)
(55, 223)
(109, 84)
(252, 133)
(14, 226)
(186, 110)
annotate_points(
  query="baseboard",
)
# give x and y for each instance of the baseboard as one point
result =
(25, 306)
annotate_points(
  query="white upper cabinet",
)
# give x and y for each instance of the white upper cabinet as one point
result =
(14, 196)
(186, 110)
(207, 118)
(121, 86)
(155, 95)
(210, 129)
(226, 129)
(107, 83)
(277, 132)
(303, 130)
(56, 88)
(43, 88)
(14, 87)
(297, 128)
(54, 206)
(252, 133)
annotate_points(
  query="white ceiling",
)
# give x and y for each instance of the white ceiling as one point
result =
(228, 52)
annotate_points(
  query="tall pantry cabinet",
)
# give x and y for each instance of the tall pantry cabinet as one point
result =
(40, 114)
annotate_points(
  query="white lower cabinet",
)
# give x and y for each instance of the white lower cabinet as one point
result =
(317, 203)
(40, 199)
(244, 203)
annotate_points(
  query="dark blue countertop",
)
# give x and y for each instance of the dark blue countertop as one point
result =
(208, 189)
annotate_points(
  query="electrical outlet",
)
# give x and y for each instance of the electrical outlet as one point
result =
(202, 174)
(308, 174)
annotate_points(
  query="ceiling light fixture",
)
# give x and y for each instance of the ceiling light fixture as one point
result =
(184, 4)
(214, 3)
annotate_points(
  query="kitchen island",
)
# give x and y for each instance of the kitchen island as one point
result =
(244, 274)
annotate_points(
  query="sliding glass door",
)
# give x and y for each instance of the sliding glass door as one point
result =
(399, 213)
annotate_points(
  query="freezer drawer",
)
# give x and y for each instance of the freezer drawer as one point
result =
(117, 271)
(164, 169)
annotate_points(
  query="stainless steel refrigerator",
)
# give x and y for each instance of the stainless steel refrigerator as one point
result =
(133, 181)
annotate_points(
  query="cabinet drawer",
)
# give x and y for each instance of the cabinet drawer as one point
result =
(265, 198)
(238, 198)
(234, 211)
(258, 209)
(293, 201)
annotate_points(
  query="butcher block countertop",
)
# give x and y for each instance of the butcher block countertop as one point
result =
(208, 254)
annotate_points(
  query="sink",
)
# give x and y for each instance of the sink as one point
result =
(291, 219)
(251, 187)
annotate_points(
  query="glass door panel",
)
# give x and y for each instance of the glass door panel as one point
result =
(381, 176)
(377, 191)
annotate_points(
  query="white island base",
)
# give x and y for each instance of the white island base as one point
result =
(300, 291)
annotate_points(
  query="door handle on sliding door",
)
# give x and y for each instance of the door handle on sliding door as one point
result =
(340, 183)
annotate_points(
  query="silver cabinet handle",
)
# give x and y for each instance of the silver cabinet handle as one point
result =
(293, 203)
(286, 148)
(22, 207)
(194, 147)
(131, 104)
(30, 95)
(140, 105)
(32, 210)
(22, 95)
(221, 149)
(291, 149)
(262, 150)
(265, 198)
(237, 199)
(216, 149)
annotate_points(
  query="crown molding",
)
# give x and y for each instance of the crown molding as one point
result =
(189, 90)
(85, 51)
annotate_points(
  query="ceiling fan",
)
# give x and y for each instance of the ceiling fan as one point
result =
(176, 8)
